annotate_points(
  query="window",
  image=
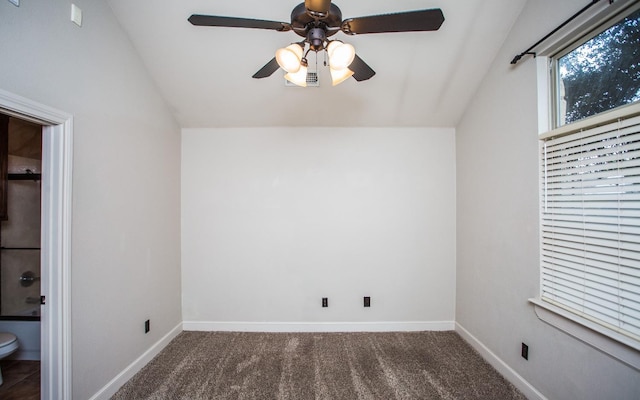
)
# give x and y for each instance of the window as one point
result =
(590, 224)
(590, 182)
(599, 74)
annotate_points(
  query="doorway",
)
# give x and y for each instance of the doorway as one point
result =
(20, 188)
(55, 239)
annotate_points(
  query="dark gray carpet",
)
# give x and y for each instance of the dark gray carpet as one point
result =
(331, 366)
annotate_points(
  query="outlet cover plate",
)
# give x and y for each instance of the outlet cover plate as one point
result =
(525, 351)
(15, 2)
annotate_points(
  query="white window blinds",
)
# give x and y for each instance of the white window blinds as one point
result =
(590, 224)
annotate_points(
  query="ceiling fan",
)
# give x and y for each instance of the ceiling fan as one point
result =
(316, 21)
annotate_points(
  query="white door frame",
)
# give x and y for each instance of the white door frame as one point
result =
(57, 157)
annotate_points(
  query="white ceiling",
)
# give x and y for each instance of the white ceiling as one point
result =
(423, 78)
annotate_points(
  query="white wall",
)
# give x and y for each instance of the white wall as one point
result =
(126, 230)
(497, 228)
(275, 219)
(28, 334)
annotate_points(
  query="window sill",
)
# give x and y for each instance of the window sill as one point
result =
(611, 343)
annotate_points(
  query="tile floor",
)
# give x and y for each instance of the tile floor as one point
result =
(21, 380)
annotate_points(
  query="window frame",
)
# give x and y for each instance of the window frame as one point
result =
(599, 18)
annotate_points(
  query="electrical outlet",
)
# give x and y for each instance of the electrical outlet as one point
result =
(325, 302)
(525, 351)
(367, 301)
(147, 326)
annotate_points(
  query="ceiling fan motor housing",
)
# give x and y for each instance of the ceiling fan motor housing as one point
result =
(318, 8)
(302, 22)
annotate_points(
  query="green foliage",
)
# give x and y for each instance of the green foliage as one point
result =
(604, 72)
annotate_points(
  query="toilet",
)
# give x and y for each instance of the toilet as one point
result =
(8, 345)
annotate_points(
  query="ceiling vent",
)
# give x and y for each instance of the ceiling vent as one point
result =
(312, 80)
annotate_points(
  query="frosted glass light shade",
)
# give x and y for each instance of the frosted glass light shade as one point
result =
(289, 57)
(340, 75)
(341, 55)
(299, 77)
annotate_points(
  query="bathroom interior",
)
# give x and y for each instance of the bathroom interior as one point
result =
(20, 261)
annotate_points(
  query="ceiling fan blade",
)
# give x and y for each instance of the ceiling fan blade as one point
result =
(409, 21)
(318, 8)
(268, 69)
(215, 20)
(361, 71)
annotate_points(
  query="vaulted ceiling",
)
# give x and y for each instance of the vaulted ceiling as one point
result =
(422, 78)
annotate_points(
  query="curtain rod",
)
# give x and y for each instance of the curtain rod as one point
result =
(562, 25)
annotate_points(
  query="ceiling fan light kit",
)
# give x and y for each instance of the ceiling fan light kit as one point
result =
(315, 21)
(299, 77)
(289, 58)
(339, 75)
(341, 55)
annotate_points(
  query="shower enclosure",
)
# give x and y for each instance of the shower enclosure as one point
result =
(20, 159)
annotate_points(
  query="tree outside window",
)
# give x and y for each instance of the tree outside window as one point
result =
(601, 74)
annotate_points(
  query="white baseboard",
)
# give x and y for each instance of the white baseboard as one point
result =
(31, 355)
(400, 326)
(509, 373)
(112, 387)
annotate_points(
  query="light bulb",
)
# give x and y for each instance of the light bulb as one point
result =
(299, 77)
(289, 57)
(341, 55)
(340, 75)
(332, 46)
